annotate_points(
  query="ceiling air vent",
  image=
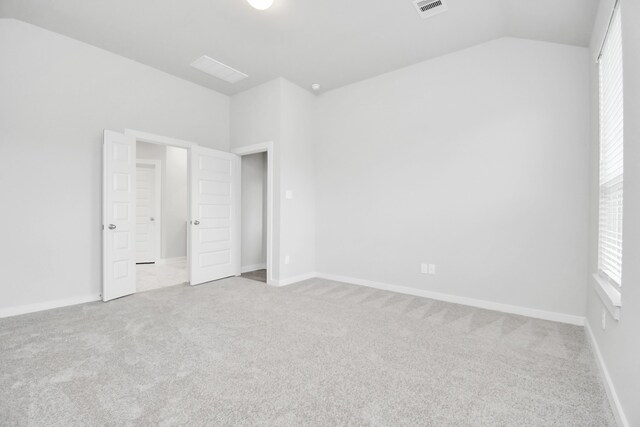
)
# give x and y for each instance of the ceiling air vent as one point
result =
(218, 69)
(429, 8)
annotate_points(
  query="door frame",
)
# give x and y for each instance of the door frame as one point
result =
(157, 166)
(139, 136)
(264, 147)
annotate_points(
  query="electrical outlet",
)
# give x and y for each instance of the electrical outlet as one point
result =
(287, 260)
(427, 268)
(424, 268)
(604, 319)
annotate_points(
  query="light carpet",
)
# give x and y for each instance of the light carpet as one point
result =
(237, 352)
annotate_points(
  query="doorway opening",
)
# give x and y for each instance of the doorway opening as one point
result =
(254, 216)
(161, 216)
(257, 211)
(213, 194)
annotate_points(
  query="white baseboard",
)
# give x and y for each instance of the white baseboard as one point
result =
(254, 267)
(539, 314)
(32, 308)
(165, 261)
(489, 305)
(292, 280)
(616, 407)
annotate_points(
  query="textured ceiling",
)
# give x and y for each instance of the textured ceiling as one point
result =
(331, 42)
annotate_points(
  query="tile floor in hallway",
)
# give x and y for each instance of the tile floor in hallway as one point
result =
(155, 276)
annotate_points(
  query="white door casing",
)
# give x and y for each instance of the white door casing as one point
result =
(265, 147)
(118, 216)
(214, 247)
(148, 191)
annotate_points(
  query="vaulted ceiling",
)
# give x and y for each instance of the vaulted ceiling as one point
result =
(330, 42)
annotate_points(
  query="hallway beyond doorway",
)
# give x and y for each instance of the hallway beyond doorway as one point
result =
(258, 275)
(155, 276)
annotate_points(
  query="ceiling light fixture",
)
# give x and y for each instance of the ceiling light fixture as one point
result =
(315, 87)
(261, 4)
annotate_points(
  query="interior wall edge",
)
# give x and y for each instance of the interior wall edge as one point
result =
(535, 313)
(293, 280)
(614, 401)
(472, 302)
(47, 305)
(570, 319)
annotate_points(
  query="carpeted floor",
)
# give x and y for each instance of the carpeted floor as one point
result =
(237, 352)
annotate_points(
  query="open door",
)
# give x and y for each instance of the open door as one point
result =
(118, 216)
(214, 249)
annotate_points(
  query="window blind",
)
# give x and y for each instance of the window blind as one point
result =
(611, 154)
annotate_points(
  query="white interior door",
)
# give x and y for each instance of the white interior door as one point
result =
(147, 213)
(118, 240)
(215, 215)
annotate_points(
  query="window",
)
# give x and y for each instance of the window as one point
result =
(611, 154)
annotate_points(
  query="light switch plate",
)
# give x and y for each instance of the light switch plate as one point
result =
(287, 260)
(288, 194)
(424, 268)
(432, 269)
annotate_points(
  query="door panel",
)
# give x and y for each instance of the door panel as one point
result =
(147, 231)
(215, 224)
(118, 239)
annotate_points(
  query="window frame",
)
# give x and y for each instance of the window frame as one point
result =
(607, 286)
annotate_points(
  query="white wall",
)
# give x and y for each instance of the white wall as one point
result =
(174, 198)
(145, 150)
(282, 112)
(476, 161)
(254, 210)
(57, 96)
(255, 118)
(619, 343)
(297, 174)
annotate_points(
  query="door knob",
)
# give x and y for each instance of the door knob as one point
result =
(112, 226)
(196, 222)
(152, 219)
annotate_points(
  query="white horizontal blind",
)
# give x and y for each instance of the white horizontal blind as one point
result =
(611, 154)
